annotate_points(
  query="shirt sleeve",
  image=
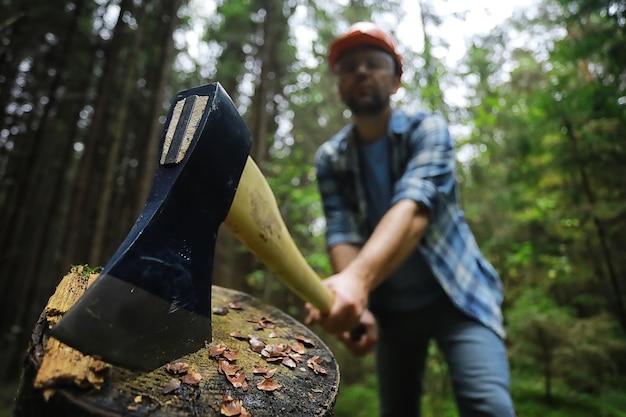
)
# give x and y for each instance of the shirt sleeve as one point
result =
(341, 225)
(429, 174)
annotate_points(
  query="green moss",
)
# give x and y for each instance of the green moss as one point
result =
(86, 270)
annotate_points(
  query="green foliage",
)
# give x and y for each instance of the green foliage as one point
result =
(546, 136)
(537, 329)
(358, 400)
(550, 338)
(595, 344)
(529, 400)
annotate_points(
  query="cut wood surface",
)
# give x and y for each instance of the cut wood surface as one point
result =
(60, 362)
(260, 362)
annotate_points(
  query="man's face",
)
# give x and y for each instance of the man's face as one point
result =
(366, 80)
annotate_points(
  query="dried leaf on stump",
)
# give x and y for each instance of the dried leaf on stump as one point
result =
(217, 350)
(296, 357)
(273, 351)
(230, 406)
(235, 305)
(259, 369)
(171, 386)
(267, 323)
(227, 368)
(305, 340)
(314, 364)
(220, 311)
(268, 385)
(238, 380)
(231, 355)
(191, 379)
(238, 334)
(289, 363)
(177, 368)
(256, 344)
(222, 351)
(298, 347)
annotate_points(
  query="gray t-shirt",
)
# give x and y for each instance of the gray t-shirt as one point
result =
(413, 285)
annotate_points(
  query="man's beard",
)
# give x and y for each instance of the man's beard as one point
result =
(369, 108)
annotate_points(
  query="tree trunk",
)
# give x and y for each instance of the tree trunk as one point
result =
(115, 147)
(58, 380)
(89, 178)
(158, 77)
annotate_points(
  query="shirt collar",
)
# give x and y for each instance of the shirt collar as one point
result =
(398, 123)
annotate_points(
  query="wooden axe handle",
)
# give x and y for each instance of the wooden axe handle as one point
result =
(256, 221)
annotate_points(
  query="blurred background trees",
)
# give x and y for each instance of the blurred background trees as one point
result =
(540, 133)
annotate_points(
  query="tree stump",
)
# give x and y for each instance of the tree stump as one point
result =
(260, 362)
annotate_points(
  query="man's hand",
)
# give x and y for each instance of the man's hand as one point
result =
(367, 340)
(349, 304)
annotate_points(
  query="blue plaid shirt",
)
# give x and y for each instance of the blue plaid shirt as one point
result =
(422, 165)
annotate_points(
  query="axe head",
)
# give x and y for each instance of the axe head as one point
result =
(152, 301)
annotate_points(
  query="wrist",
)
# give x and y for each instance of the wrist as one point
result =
(363, 276)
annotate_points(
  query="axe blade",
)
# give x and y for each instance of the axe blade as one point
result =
(152, 301)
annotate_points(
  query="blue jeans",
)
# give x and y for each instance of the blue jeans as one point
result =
(475, 355)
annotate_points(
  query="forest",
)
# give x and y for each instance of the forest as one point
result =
(539, 130)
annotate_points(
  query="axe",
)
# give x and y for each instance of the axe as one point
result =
(152, 301)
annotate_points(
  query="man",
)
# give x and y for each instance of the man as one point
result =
(407, 267)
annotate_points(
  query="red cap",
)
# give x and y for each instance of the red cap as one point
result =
(364, 33)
